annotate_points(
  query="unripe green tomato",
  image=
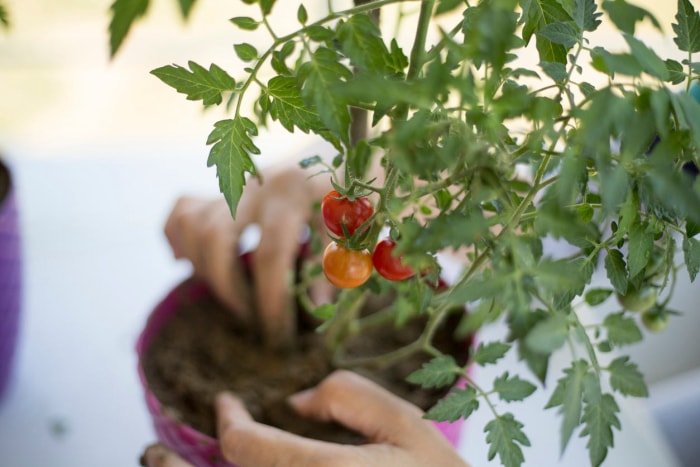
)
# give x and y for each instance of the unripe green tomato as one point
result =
(655, 322)
(639, 300)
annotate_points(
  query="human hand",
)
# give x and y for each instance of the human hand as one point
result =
(204, 232)
(396, 432)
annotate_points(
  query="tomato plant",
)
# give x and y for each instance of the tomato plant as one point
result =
(389, 265)
(339, 212)
(345, 268)
(454, 117)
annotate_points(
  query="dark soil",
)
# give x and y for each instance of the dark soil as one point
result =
(203, 350)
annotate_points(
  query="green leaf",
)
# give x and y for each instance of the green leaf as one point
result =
(626, 15)
(647, 58)
(560, 33)
(361, 41)
(266, 6)
(626, 378)
(599, 418)
(568, 396)
(459, 403)
(536, 15)
(622, 330)
(586, 16)
(199, 83)
(611, 64)
(124, 14)
(439, 372)
(490, 353)
(511, 389)
(186, 7)
(245, 52)
(641, 244)
(302, 15)
(325, 312)
(687, 28)
(595, 297)
(4, 16)
(321, 74)
(231, 151)
(549, 334)
(246, 23)
(445, 6)
(691, 253)
(504, 436)
(617, 271)
(289, 107)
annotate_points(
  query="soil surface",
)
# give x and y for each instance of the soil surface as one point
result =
(204, 350)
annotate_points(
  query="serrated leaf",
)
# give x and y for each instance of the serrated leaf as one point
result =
(622, 330)
(361, 41)
(536, 15)
(641, 244)
(439, 372)
(513, 388)
(504, 435)
(626, 378)
(691, 254)
(245, 52)
(568, 395)
(321, 74)
(617, 270)
(626, 15)
(687, 28)
(595, 297)
(586, 16)
(599, 418)
(560, 33)
(459, 403)
(246, 23)
(549, 334)
(124, 14)
(289, 107)
(199, 83)
(490, 353)
(231, 151)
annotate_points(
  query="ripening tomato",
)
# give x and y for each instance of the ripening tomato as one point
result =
(639, 300)
(346, 268)
(654, 321)
(387, 264)
(338, 211)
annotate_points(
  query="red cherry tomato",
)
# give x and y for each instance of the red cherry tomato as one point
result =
(387, 264)
(346, 268)
(338, 211)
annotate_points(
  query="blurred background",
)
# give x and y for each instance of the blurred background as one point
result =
(99, 151)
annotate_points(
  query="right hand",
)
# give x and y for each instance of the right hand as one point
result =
(204, 232)
(397, 434)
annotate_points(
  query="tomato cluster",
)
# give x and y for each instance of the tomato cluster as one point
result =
(348, 268)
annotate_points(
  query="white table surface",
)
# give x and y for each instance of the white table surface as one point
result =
(96, 262)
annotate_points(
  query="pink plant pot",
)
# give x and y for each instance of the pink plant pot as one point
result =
(192, 445)
(10, 282)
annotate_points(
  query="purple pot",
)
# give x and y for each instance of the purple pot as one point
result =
(194, 446)
(10, 278)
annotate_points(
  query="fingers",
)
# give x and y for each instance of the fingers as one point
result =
(248, 443)
(363, 406)
(204, 232)
(158, 455)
